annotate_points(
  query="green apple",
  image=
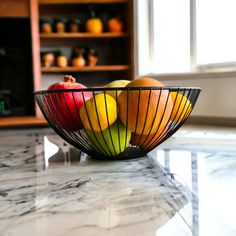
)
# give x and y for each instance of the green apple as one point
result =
(111, 141)
(116, 84)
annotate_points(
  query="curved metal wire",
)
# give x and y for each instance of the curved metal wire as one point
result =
(151, 116)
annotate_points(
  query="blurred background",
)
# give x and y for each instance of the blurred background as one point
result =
(181, 43)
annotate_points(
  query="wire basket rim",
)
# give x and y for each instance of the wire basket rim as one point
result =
(91, 89)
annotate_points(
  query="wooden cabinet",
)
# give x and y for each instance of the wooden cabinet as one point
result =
(14, 8)
(115, 54)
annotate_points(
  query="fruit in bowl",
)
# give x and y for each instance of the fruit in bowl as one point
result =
(142, 114)
(144, 110)
(181, 106)
(64, 107)
(99, 112)
(111, 141)
(148, 141)
(116, 84)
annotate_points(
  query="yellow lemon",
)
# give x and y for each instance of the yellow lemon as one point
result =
(99, 112)
(182, 107)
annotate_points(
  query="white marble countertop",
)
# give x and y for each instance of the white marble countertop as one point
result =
(187, 186)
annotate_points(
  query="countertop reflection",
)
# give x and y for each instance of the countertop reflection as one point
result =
(186, 186)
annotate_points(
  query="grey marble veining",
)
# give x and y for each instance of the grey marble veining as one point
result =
(187, 186)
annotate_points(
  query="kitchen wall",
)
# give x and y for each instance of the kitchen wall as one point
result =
(217, 98)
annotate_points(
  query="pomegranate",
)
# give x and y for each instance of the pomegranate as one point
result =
(64, 107)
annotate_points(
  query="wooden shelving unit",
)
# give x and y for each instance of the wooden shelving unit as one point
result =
(82, 35)
(81, 1)
(84, 69)
(115, 50)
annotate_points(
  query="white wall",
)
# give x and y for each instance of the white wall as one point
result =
(217, 98)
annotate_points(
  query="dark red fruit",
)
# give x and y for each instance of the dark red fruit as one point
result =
(64, 106)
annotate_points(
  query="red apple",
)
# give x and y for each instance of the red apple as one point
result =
(63, 108)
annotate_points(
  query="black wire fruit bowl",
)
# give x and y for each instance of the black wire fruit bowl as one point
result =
(117, 123)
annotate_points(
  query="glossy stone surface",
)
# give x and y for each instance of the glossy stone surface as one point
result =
(187, 186)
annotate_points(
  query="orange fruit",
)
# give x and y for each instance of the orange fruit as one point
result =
(182, 106)
(149, 141)
(143, 111)
(98, 112)
(115, 25)
(94, 25)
